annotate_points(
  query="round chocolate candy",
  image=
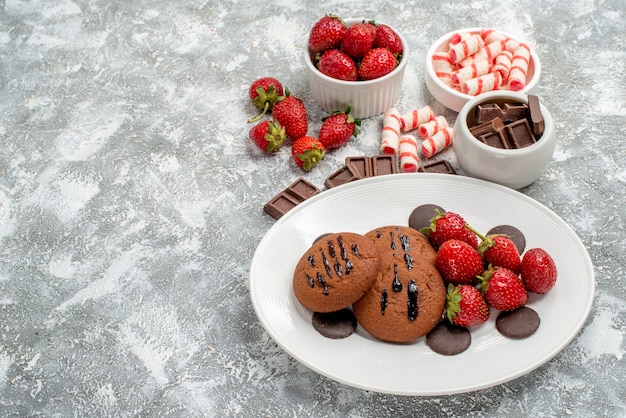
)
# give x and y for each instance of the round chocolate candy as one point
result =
(335, 325)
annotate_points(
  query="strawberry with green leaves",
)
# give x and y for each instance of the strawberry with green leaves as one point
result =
(358, 39)
(503, 289)
(458, 262)
(386, 37)
(327, 33)
(449, 225)
(339, 65)
(307, 152)
(538, 270)
(377, 63)
(499, 250)
(291, 113)
(338, 128)
(465, 306)
(264, 93)
(268, 135)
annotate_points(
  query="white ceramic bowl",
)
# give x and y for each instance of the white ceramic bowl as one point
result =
(454, 99)
(365, 98)
(515, 168)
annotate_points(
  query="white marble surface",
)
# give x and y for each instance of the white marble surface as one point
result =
(131, 203)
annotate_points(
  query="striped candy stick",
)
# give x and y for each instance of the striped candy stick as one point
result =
(437, 142)
(409, 159)
(411, 120)
(519, 67)
(390, 137)
(487, 82)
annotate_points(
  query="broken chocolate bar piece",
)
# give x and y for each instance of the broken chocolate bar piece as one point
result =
(441, 166)
(343, 175)
(287, 199)
(508, 112)
(384, 164)
(519, 134)
(280, 204)
(361, 165)
(535, 115)
(493, 125)
(496, 139)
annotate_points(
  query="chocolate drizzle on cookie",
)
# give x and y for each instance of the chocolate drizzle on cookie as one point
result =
(322, 281)
(311, 260)
(393, 241)
(406, 243)
(326, 264)
(413, 310)
(408, 260)
(396, 285)
(383, 302)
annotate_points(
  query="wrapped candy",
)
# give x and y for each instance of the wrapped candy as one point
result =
(487, 82)
(488, 52)
(429, 128)
(416, 117)
(503, 63)
(473, 70)
(408, 153)
(519, 67)
(443, 67)
(468, 46)
(390, 138)
(437, 143)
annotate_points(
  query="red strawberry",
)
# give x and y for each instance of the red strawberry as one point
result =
(358, 40)
(307, 152)
(264, 93)
(503, 289)
(386, 37)
(268, 135)
(337, 64)
(377, 63)
(291, 113)
(327, 33)
(458, 262)
(449, 225)
(465, 306)
(337, 129)
(538, 271)
(499, 250)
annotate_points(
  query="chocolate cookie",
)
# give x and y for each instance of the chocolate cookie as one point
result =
(335, 271)
(408, 297)
(403, 240)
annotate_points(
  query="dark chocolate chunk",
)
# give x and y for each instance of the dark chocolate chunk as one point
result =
(361, 165)
(519, 134)
(441, 166)
(302, 189)
(493, 125)
(518, 324)
(513, 233)
(287, 199)
(421, 215)
(508, 112)
(535, 116)
(280, 204)
(335, 325)
(344, 174)
(384, 164)
(448, 339)
(497, 139)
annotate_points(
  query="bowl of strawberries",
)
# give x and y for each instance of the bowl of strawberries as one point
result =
(355, 62)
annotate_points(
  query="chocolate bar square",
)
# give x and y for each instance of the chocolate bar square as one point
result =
(384, 164)
(343, 175)
(519, 133)
(441, 166)
(362, 165)
(496, 139)
(291, 196)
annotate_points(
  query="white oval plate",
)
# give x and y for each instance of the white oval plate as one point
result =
(413, 369)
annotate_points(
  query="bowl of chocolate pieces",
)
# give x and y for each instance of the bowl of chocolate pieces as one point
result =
(504, 137)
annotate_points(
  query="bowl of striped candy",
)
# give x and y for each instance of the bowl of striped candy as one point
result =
(466, 63)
